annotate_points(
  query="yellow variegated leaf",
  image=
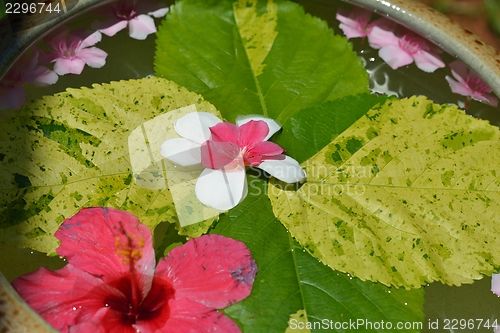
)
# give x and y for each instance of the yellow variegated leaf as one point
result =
(407, 195)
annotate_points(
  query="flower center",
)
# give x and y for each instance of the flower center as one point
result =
(411, 43)
(126, 10)
(132, 311)
(476, 84)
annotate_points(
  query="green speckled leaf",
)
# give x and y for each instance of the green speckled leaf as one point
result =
(256, 57)
(290, 279)
(92, 147)
(408, 194)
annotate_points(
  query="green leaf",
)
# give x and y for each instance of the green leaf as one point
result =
(289, 279)
(256, 57)
(95, 147)
(408, 194)
(311, 129)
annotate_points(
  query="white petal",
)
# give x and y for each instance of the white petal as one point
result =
(222, 189)
(159, 12)
(273, 124)
(195, 126)
(181, 151)
(495, 284)
(287, 169)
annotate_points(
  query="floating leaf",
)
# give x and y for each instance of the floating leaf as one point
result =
(91, 147)
(409, 194)
(289, 279)
(256, 57)
(311, 129)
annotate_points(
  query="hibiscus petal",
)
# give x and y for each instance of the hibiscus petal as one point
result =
(111, 27)
(262, 150)
(109, 243)
(195, 126)
(266, 148)
(221, 271)
(216, 155)
(71, 65)
(221, 189)
(181, 151)
(94, 57)
(141, 26)
(427, 61)
(252, 133)
(187, 317)
(394, 56)
(273, 125)
(64, 297)
(285, 169)
(225, 132)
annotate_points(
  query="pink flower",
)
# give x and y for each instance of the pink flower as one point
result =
(134, 14)
(71, 52)
(402, 47)
(354, 23)
(110, 283)
(26, 70)
(495, 284)
(468, 84)
(225, 150)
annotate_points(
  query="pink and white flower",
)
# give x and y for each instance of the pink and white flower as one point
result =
(137, 15)
(355, 23)
(467, 83)
(225, 150)
(399, 46)
(26, 70)
(110, 283)
(72, 51)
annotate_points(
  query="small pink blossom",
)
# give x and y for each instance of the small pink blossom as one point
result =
(495, 284)
(467, 83)
(110, 284)
(225, 150)
(399, 46)
(26, 70)
(355, 23)
(72, 51)
(137, 15)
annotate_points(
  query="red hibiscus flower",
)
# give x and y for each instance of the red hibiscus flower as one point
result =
(110, 283)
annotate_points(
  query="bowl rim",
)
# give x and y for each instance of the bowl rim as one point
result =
(480, 56)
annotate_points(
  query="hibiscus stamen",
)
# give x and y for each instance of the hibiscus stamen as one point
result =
(110, 283)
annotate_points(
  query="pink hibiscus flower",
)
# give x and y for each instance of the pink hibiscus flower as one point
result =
(467, 83)
(110, 284)
(399, 46)
(26, 70)
(355, 23)
(72, 51)
(137, 15)
(225, 150)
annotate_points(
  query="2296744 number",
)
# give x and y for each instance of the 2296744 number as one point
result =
(469, 324)
(31, 8)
